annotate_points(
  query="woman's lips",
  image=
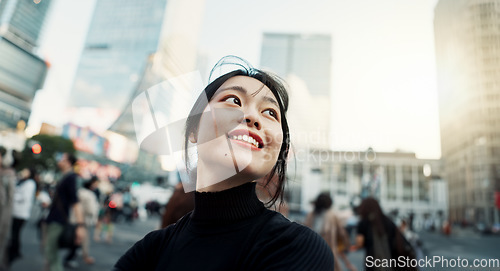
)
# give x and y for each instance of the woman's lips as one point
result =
(246, 144)
(246, 137)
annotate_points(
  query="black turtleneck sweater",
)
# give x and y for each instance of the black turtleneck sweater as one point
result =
(230, 230)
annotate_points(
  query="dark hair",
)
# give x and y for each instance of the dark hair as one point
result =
(370, 210)
(322, 202)
(277, 87)
(33, 173)
(71, 158)
(16, 158)
(3, 151)
(89, 183)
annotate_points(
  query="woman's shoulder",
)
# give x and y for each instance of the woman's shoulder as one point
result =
(160, 237)
(145, 253)
(281, 226)
(283, 240)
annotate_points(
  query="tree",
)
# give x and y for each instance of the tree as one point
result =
(43, 157)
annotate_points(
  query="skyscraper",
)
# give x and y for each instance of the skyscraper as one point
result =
(306, 56)
(22, 71)
(305, 62)
(176, 55)
(120, 39)
(467, 40)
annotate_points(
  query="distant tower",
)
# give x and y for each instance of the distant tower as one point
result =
(121, 37)
(306, 56)
(305, 62)
(467, 37)
(176, 55)
(22, 71)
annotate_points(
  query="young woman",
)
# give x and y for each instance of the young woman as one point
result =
(324, 221)
(239, 127)
(380, 237)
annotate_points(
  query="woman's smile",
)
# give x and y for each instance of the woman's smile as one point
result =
(246, 138)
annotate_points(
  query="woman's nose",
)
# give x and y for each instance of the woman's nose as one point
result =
(252, 120)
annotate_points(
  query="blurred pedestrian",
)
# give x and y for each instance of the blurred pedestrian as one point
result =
(324, 221)
(65, 198)
(128, 208)
(379, 236)
(24, 195)
(179, 204)
(43, 202)
(107, 218)
(412, 238)
(7, 184)
(90, 208)
(239, 128)
(446, 228)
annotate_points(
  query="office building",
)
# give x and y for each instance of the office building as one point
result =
(404, 185)
(121, 37)
(304, 61)
(22, 71)
(467, 41)
(306, 56)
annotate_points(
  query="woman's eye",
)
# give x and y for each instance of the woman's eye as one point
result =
(233, 100)
(271, 112)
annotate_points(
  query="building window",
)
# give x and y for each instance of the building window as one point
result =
(391, 182)
(407, 184)
(423, 185)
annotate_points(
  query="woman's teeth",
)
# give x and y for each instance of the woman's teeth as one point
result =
(246, 138)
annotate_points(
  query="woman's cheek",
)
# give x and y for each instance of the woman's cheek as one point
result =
(269, 157)
(274, 137)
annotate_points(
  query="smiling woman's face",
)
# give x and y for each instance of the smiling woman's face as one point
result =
(240, 132)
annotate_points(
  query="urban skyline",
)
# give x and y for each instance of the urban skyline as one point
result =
(366, 122)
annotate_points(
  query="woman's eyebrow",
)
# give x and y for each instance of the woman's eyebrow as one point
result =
(244, 91)
(271, 100)
(237, 88)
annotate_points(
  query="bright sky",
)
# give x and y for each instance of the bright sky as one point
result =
(383, 75)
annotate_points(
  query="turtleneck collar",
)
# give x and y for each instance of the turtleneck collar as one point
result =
(231, 205)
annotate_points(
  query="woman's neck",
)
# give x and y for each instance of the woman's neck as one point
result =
(220, 186)
(210, 179)
(227, 206)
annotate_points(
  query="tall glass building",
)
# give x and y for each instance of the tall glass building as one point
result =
(306, 56)
(467, 40)
(22, 72)
(121, 37)
(304, 60)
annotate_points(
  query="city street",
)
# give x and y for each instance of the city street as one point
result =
(463, 243)
(105, 254)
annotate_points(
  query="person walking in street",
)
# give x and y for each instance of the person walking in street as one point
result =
(239, 129)
(24, 196)
(379, 236)
(90, 208)
(326, 223)
(65, 198)
(7, 184)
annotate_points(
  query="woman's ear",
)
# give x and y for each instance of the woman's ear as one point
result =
(192, 138)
